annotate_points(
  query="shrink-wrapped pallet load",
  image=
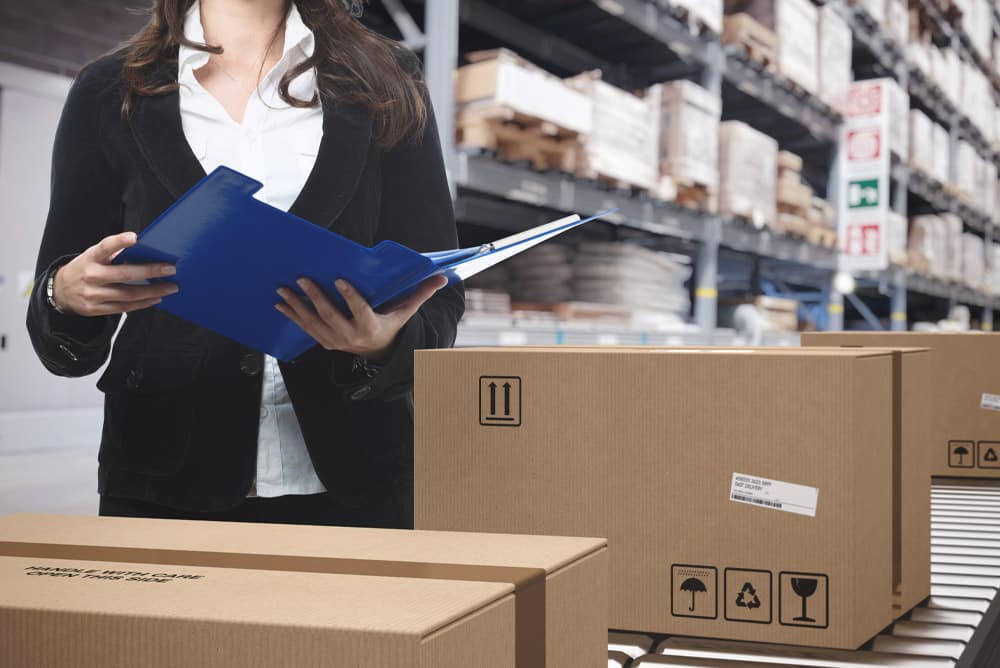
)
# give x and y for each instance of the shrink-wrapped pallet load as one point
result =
(897, 22)
(747, 173)
(899, 119)
(506, 104)
(688, 136)
(942, 154)
(622, 146)
(965, 172)
(921, 141)
(923, 243)
(631, 276)
(794, 22)
(950, 247)
(973, 260)
(834, 70)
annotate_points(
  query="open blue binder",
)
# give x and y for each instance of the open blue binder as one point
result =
(233, 251)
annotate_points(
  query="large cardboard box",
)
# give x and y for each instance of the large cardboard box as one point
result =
(725, 480)
(90, 591)
(965, 372)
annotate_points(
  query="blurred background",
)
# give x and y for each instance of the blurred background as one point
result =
(777, 165)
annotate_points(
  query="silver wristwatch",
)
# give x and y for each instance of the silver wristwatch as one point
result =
(50, 293)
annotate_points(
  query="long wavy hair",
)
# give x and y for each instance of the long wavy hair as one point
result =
(354, 64)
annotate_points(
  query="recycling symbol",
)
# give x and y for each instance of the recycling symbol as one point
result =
(747, 598)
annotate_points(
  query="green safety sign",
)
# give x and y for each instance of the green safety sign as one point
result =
(862, 193)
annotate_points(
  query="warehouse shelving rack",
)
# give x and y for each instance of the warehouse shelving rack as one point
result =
(488, 192)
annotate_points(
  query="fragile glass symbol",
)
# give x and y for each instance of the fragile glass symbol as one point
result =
(804, 587)
(693, 585)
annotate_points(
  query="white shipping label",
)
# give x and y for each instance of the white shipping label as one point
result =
(990, 402)
(774, 494)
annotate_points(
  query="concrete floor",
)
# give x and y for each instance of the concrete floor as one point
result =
(48, 462)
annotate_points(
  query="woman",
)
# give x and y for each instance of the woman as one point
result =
(334, 121)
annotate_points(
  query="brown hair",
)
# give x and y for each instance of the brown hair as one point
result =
(354, 64)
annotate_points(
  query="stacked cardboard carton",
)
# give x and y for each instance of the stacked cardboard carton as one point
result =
(631, 276)
(811, 465)
(747, 173)
(100, 591)
(974, 261)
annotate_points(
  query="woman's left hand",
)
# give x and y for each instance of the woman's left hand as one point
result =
(369, 334)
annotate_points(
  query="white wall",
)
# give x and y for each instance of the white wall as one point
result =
(49, 426)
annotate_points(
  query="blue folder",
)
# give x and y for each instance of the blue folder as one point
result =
(233, 252)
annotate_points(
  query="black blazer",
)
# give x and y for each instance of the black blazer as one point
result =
(182, 403)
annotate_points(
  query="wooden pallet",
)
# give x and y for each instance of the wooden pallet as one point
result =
(697, 196)
(516, 137)
(821, 236)
(760, 43)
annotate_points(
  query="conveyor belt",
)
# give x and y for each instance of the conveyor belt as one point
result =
(955, 628)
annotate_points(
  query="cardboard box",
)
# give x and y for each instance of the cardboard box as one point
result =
(747, 173)
(100, 591)
(689, 132)
(965, 371)
(835, 44)
(642, 445)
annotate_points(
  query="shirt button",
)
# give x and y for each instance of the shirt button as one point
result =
(250, 365)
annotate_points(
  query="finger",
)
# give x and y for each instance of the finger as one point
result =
(109, 247)
(129, 273)
(327, 311)
(405, 309)
(132, 293)
(363, 314)
(114, 308)
(308, 319)
(322, 337)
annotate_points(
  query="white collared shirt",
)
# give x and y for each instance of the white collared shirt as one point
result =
(275, 144)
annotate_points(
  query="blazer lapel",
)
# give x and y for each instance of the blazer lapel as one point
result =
(156, 127)
(340, 160)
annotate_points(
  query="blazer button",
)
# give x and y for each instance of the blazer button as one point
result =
(250, 365)
(134, 379)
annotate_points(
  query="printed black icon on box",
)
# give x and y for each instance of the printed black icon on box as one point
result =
(693, 591)
(989, 454)
(747, 595)
(500, 401)
(804, 599)
(961, 454)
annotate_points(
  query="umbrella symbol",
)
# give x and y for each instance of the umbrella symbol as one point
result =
(961, 451)
(693, 585)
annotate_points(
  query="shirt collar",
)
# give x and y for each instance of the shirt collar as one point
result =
(297, 36)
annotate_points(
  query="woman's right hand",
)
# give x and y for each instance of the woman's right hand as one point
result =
(89, 285)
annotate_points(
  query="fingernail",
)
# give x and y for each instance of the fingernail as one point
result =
(157, 302)
(303, 283)
(169, 270)
(341, 284)
(132, 237)
(281, 292)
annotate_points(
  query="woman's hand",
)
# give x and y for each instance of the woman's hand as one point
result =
(369, 334)
(90, 285)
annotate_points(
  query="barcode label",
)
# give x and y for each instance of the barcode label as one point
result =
(990, 402)
(775, 494)
(759, 502)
